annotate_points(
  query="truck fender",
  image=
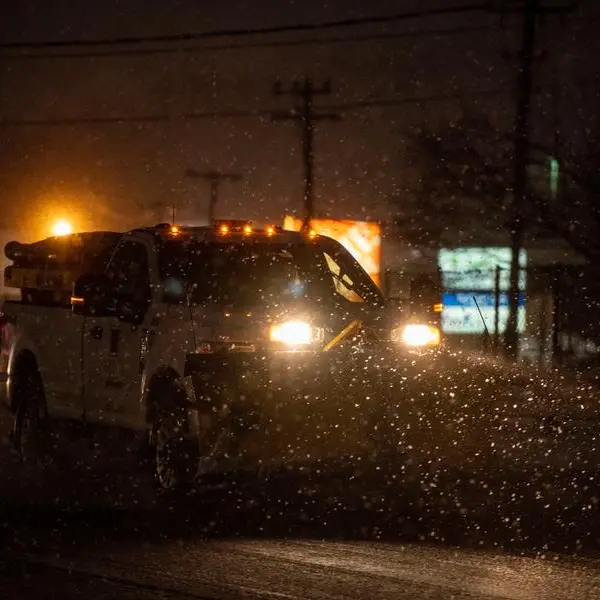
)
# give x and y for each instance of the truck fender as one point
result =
(151, 390)
(160, 360)
(22, 350)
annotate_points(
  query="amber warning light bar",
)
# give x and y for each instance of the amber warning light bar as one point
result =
(225, 227)
(245, 228)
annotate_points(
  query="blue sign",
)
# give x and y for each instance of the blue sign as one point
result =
(470, 276)
(462, 316)
(484, 299)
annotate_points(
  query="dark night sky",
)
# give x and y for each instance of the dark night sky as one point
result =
(34, 19)
(105, 171)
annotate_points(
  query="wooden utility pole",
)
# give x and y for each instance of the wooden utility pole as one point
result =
(305, 115)
(214, 179)
(530, 10)
(522, 126)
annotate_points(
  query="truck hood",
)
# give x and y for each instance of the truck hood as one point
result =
(250, 325)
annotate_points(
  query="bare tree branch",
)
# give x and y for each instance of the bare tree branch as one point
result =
(470, 162)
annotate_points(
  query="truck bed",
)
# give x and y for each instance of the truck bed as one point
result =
(53, 334)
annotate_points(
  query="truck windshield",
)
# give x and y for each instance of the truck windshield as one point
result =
(251, 274)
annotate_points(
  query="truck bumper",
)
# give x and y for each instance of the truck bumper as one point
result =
(289, 407)
(254, 378)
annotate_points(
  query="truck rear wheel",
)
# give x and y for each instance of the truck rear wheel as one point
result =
(30, 434)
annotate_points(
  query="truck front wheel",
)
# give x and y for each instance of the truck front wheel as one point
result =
(175, 453)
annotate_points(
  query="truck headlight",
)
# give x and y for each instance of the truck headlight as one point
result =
(417, 335)
(292, 333)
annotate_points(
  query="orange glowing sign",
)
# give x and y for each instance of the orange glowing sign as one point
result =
(361, 238)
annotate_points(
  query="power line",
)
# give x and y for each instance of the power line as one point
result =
(384, 103)
(192, 36)
(238, 113)
(350, 39)
(141, 119)
(313, 41)
(264, 114)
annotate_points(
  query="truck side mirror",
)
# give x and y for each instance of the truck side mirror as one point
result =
(92, 295)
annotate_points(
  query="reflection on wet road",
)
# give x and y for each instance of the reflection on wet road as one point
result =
(304, 569)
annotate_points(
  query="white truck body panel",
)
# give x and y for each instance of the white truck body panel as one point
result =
(98, 368)
(53, 336)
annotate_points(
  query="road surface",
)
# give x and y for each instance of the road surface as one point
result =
(497, 538)
(286, 569)
(526, 529)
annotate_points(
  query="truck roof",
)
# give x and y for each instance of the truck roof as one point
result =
(224, 231)
(63, 248)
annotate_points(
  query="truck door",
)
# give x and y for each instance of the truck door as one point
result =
(112, 344)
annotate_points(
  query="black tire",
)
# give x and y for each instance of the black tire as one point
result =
(175, 455)
(31, 433)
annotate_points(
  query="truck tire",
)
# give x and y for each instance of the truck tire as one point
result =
(175, 455)
(30, 435)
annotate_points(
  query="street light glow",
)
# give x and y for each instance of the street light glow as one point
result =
(62, 227)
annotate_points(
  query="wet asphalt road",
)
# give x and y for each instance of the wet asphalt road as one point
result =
(511, 531)
(441, 539)
(296, 569)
